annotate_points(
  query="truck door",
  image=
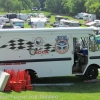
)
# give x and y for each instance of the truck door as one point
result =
(80, 53)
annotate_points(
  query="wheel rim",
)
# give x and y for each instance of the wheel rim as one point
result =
(92, 72)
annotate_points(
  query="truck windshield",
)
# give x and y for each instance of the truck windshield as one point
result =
(94, 43)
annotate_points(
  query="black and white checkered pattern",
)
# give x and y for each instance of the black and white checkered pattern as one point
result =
(49, 47)
(21, 44)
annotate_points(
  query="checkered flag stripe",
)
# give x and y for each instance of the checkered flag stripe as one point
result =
(49, 47)
(21, 44)
(17, 44)
(45, 47)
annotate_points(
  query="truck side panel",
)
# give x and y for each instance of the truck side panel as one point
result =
(47, 54)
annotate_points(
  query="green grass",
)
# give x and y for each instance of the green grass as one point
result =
(29, 11)
(78, 91)
(26, 25)
(3, 13)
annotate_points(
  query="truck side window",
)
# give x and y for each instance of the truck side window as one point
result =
(93, 45)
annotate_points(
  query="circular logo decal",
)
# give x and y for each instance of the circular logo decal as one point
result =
(38, 42)
(62, 46)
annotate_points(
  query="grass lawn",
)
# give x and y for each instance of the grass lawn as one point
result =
(78, 91)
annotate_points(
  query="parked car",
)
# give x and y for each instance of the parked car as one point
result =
(35, 8)
(3, 20)
(41, 15)
(11, 15)
(48, 16)
(76, 17)
(8, 27)
(98, 25)
(35, 14)
(55, 24)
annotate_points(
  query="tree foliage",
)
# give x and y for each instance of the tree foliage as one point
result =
(42, 3)
(76, 6)
(18, 5)
(54, 6)
(93, 6)
(65, 6)
(73, 6)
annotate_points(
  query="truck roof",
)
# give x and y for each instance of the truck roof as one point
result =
(69, 21)
(16, 20)
(48, 29)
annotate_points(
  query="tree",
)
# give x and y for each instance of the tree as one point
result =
(6, 5)
(93, 6)
(88, 3)
(17, 6)
(42, 3)
(27, 4)
(65, 6)
(36, 3)
(76, 6)
(53, 6)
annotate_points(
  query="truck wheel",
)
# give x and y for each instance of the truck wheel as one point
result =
(32, 76)
(91, 72)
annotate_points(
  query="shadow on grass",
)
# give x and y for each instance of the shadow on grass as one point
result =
(79, 85)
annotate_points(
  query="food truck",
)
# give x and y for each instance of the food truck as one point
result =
(50, 52)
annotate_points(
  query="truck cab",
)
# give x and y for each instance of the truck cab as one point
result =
(86, 58)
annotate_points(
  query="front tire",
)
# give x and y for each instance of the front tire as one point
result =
(91, 72)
